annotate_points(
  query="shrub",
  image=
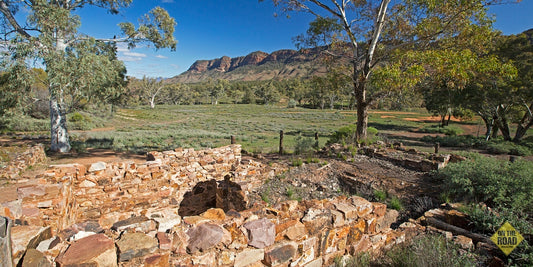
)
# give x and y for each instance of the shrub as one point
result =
(303, 145)
(421, 251)
(27, 124)
(346, 135)
(343, 134)
(487, 221)
(297, 162)
(395, 203)
(493, 181)
(292, 103)
(371, 131)
(507, 147)
(380, 195)
(428, 250)
(76, 117)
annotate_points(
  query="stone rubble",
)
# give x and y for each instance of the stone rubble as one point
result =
(185, 208)
(32, 156)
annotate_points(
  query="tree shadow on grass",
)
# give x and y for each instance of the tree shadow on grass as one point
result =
(392, 127)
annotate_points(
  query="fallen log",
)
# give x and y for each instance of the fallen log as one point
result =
(458, 231)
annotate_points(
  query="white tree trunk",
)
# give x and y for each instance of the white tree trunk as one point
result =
(58, 117)
(58, 127)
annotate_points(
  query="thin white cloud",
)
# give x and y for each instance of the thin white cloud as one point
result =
(128, 59)
(160, 56)
(134, 54)
(167, 1)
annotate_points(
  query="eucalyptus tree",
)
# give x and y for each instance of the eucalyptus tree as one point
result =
(372, 30)
(519, 49)
(148, 89)
(76, 64)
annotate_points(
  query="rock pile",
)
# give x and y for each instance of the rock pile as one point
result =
(181, 208)
(32, 156)
(307, 233)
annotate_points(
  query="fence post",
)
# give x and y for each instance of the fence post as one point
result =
(437, 146)
(233, 139)
(6, 258)
(281, 142)
(316, 141)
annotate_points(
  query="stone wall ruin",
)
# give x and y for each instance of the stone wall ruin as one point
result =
(183, 208)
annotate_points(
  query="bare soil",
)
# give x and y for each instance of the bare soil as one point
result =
(417, 190)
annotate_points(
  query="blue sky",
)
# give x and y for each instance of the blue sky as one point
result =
(211, 29)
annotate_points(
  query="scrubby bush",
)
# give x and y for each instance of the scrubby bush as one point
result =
(346, 135)
(507, 147)
(292, 103)
(492, 181)
(428, 250)
(303, 145)
(421, 251)
(495, 146)
(21, 123)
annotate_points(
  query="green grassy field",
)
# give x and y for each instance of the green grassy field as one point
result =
(256, 127)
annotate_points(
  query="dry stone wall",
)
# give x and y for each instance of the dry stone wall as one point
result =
(183, 208)
(32, 156)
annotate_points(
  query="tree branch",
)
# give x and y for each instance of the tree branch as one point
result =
(4, 8)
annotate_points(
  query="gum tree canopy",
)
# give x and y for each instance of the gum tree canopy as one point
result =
(76, 64)
(376, 31)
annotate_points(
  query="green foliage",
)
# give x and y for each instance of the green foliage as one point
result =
(372, 131)
(421, 251)
(20, 123)
(447, 130)
(76, 117)
(292, 103)
(297, 162)
(291, 194)
(428, 250)
(511, 148)
(492, 181)
(303, 145)
(156, 27)
(488, 220)
(265, 196)
(344, 134)
(395, 203)
(380, 195)
(80, 71)
(465, 141)
(312, 160)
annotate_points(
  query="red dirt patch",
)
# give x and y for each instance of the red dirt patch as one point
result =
(428, 119)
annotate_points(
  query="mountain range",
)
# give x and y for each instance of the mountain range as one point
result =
(281, 64)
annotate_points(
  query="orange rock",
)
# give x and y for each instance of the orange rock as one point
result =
(157, 260)
(214, 214)
(379, 208)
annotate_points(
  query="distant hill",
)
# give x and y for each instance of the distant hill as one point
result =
(281, 64)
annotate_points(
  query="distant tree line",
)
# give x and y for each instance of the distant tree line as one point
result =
(493, 82)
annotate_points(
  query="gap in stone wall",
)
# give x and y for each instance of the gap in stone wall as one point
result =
(224, 194)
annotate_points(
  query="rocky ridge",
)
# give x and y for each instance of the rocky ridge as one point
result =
(257, 65)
